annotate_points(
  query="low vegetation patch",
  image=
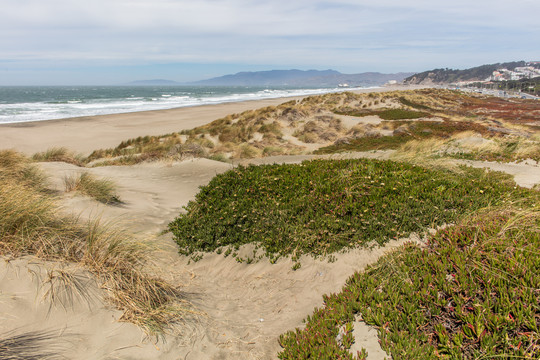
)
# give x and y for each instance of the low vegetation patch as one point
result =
(387, 114)
(404, 131)
(320, 207)
(472, 293)
(100, 189)
(31, 224)
(60, 154)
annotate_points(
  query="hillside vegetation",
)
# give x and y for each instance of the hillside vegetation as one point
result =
(330, 123)
(471, 293)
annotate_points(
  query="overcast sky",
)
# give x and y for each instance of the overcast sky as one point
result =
(115, 41)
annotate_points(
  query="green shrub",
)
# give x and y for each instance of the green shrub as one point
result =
(322, 206)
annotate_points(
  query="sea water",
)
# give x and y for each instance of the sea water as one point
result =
(37, 103)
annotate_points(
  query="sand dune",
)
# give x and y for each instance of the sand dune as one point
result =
(241, 309)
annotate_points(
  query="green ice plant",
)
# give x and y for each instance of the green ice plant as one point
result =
(320, 207)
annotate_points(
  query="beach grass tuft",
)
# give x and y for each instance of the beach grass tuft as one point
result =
(60, 154)
(16, 167)
(102, 190)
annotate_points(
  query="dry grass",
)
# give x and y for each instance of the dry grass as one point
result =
(470, 145)
(60, 154)
(30, 224)
(102, 190)
(16, 167)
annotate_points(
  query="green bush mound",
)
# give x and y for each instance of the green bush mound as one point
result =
(322, 206)
(471, 293)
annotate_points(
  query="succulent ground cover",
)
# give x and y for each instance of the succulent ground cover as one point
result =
(320, 207)
(472, 293)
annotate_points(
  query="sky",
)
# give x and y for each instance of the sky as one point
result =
(109, 42)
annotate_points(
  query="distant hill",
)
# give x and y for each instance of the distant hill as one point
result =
(444, 76)
(314, 78)
(160, 82)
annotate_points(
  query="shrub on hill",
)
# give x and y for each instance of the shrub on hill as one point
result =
(320, 207)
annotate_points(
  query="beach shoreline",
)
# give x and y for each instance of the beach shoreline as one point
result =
(86, 134)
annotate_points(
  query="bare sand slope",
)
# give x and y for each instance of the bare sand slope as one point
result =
(153, 193)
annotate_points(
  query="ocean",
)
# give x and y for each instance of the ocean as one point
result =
(38, 103)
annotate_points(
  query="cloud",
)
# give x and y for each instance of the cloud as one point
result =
(312, 33)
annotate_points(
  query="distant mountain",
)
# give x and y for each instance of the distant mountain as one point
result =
(314, 78)
(445, 76)
(159, 82)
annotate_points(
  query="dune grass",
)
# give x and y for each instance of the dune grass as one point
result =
(471, 293)
(320, 207)
(504, 149)
(315, 120)
(15, 167)
(60, 154)
(31, 223)
(460, 146)
(102, 190)
(32, 345)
